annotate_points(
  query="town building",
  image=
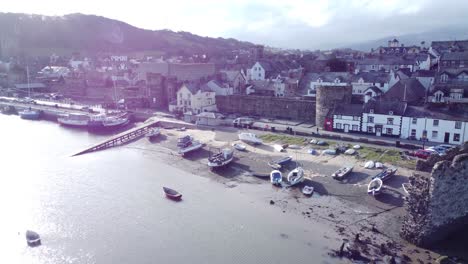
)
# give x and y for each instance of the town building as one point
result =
(313, 80)
(347, 118)
(195, 98)
(383, 118)
(395, 48)
(363, 80)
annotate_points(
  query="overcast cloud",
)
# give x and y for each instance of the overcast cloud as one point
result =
(305, 24)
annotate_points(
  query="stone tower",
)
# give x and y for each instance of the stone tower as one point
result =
(327, 97)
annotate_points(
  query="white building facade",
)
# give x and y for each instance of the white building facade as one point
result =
(435, 130)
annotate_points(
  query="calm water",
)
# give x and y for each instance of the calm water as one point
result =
(107, 207)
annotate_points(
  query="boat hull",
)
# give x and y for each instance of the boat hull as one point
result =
(172, 194)
(189, 149)
(219, 165)
(30, 115)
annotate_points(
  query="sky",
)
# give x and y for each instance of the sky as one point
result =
(303, 24)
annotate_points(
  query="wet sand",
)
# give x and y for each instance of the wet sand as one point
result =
(344, 205)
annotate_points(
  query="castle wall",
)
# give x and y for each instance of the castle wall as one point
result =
(327, 97)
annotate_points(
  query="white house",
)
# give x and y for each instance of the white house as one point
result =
(257, 72)
(325, 79)
(364, 80)
(194, 98)
(347, 118)
(119, 58)
(275, 87)
(220, 89)
(421, 124)
(383, 118)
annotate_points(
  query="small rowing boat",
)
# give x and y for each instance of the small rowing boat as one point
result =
(342, 173)
(375, 187)
(276, 177)
(172, 194)
(308, 190)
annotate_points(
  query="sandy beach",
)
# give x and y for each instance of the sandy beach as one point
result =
(345, 206)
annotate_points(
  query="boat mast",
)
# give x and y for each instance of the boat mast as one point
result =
(27, 77)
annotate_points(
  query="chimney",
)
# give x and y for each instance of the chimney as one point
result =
(404, 95)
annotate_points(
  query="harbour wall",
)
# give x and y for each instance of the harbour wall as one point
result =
(437, 205)
(267, 106)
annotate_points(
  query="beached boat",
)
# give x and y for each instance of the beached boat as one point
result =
(239, 146)
(33, 238)
(250, 138)
(308, 190)
(342, 173)
(181, 129)
(385, 174)
(172, 194)
(74, 120)
(30, 114)
(276, 164)
(369, 165)
(296, 176)
(221, 159)
(153, 132)
(329, 152)
(350, 152)
(276, 177)
(278, 148)
(186, 144)
(375, 187)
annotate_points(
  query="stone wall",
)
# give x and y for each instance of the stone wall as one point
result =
(328, 97)
(267, 106)
(437, 205)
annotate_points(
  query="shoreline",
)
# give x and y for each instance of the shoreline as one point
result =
(344, 207)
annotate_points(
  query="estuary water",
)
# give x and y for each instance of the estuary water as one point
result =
(108, 207)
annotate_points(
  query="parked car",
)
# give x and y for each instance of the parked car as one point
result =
(422, 153)
(446, 147)
(440, 151)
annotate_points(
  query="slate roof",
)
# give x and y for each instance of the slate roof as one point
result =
(262, 85)
(348, 110)
(447, 45)
(454, 56)
(329, 76)
(372, 77)
(445, 114)
(423, 73)
(385, 60)
(384, 107)
(414, 91)
(375, 89)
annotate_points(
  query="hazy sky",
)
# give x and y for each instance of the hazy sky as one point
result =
(306, 24)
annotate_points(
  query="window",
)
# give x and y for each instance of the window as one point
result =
(389, 121)
(458, 125)
(370, 129)
(356, 118)
(382, 84)
(259, 75)
(435, 123)
(338, 117)
(414, 121)
(434, 134)
(390, 113)
(371, 111)
(389, 131)
(370, 119)
(338, 125)
(444, 78)
(355, 128)
(413, 132)
(456, 137)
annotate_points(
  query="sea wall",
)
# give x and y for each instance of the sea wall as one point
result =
(267, 106)
(437, 205)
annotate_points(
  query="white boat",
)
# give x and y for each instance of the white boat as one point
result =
(278, 148)
(375, 187)
(186, 144)
(369, 165)
(308, 190)
(296, 176)
(276, 177)
(74, 120)
(153, 132)
(356, 146)
(378, 165)
(342, 173)
(239, 146)
(350, 152)
(250, 138)
(329, 152)
(221, 159)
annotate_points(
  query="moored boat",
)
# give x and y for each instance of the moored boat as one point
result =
(276, 177)
(33, 238)
(250, 138)
(375, 187)
(239, 146)
(342, 173)
(221, 159)
(186, 144)
(74, 120)
(102, 121)
(30, 114)
(308, 190)
(385, 174)
(172, 194)
(296, 176)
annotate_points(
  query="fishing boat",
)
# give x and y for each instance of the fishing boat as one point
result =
(30, 114)
(342, 173)
(276, 177)
(239, 146)
(153, 132)
(296, 176)
(74, 120)
(32, 238)
(385, 174)
(103, 121)
(308, 190)
(375, 187)
(172, 194)
(277, 164)
(221, 159)
(250, 138)
(186, 144)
